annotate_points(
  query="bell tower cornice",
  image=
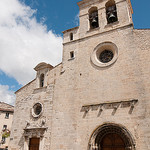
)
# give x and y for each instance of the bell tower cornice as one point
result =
(85, 3)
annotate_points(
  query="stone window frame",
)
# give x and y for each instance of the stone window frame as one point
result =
(71, 36)
(111, 3)
(7, 115)
(42, 78)
(33, 113)
(4, 127)
(93, 9)
(71, 55)
(100, 48)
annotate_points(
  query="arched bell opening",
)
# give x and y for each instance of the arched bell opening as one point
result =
(111, 137)
(111, 12)
(93, 17)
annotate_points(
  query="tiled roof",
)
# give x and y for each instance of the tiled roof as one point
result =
(6, 107)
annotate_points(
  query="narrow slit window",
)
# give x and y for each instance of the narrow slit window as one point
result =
(7, 115)
(71, 36)
(42, 80)
(72, 54)
(4, 127)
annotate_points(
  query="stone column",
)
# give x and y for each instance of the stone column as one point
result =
(41, 146)
(26, 143)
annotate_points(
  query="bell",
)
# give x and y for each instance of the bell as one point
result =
(94, 23)
(112, 18)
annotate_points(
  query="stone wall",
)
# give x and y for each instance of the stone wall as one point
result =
(85, 84)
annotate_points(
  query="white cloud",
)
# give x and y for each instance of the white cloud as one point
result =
(6, 95)
(24, 42)
(76, 20)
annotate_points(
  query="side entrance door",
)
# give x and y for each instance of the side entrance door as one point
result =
(34, 144)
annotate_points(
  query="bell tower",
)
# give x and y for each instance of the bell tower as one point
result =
(104, 15)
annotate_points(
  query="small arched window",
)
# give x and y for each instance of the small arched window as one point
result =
(42, 80)
(93, 18)
(71, 36)
(111, 11)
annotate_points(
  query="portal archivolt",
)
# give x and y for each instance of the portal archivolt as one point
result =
(111, 137)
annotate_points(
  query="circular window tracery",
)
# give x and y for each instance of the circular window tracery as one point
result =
(37, 110)
(104, 54)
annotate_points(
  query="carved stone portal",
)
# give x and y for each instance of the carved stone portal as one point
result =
(111, 136)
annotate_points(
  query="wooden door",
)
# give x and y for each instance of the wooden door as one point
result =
(112, 142)
(34, 144)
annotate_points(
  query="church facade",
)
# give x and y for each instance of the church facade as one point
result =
(98, 98)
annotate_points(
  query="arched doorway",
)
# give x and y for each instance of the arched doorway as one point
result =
(111, 137)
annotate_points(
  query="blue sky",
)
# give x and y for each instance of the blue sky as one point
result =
(62, 16)
(30, 27)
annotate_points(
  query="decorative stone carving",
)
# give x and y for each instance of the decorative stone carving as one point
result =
(34, 132)
(110, 105)
(39, 123)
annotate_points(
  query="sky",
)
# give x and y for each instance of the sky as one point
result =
(31, 32)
